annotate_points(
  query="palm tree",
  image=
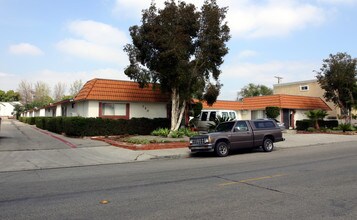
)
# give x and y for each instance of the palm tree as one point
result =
(316, 115)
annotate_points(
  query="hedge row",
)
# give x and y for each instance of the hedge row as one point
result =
(303, 125)
(79, 126)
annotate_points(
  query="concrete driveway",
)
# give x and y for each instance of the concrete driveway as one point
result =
(25, 147)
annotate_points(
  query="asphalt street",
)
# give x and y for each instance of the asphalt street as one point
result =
(317, 182)
(25, 147)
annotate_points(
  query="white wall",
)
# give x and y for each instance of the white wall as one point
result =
(300, 115)
(59, 110)
(148, 110)
(92, 108)
(245, 114)
(6, 109)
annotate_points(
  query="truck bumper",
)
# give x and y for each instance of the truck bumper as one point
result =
(202, 148)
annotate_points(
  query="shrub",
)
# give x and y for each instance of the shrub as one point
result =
(345, 127)
(79, 126)
(303, 125)
(163, 132)
(272, 111)
(311, 129)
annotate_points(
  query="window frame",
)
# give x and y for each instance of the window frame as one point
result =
(302, 88)
(124, 116)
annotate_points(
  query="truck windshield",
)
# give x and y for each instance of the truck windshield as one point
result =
(225, 127)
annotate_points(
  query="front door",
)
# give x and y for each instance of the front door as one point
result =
(286, 118)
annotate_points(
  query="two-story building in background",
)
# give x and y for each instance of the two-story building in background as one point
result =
(309, 88)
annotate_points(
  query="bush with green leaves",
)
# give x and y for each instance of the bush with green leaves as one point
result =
(163, 132)
(79, 126)
(272, 111)
(345, 127)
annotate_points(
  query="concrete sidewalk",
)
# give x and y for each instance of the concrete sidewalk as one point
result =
(90, 152)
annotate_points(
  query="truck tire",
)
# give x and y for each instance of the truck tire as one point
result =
(268, 145)
(222, 149)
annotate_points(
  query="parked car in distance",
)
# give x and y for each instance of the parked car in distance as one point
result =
(207, 117)
(237, 135)
(280, 124)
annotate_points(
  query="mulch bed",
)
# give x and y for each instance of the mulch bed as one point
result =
(328, 132)
(117, 141)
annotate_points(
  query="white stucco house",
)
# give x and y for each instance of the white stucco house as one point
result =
(292, 107)
(117, 99)
(7, 108)
(107, 98)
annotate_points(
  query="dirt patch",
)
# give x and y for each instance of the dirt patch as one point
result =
(153, 142)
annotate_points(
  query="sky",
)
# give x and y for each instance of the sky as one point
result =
(66, 40)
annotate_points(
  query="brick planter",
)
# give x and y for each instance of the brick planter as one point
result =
(151, 146)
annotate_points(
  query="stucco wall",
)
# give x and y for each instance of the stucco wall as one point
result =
(148, 110)
(245, 114)
(58, 110)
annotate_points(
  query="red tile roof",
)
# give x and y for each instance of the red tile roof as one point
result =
(118, 90)
(279, 100)
(285, 101)
(224, 105)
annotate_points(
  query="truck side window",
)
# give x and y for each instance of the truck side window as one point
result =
(232, 115)
(204, 116)
(212, 116)
(225, 115)
(241, 126)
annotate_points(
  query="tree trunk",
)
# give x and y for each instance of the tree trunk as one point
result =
(178, 108)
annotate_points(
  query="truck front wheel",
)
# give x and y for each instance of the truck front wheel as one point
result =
(222, 149)
(268, 145)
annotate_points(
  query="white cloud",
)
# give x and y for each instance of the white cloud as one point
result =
(339, 2)
(251, 19)
(96, 41)
(247, 53)
(97, 32)
(52, 77)
(25, 49)
(8, 81)
(90, 50)
(238, 75)
(272, 18)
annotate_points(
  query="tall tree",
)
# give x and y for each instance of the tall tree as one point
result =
(59, 91)
(42, 94)
(26, 92)
(12, 96)
(254, 90)
(75, 87)
(181, 49)
(337, 77)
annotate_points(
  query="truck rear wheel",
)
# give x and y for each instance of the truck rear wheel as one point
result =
(222, 149)
(268, 145)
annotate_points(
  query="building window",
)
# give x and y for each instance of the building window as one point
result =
(114, 109)
(304, 88)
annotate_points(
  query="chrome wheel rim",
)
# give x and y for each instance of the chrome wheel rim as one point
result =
(269, 145)
(223, 150)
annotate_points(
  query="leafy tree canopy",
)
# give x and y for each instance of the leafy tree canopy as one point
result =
(337, 77)
(9, 96)
(181, 49)
(252, 89)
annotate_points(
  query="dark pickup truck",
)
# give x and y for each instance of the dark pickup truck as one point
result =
(237, 135)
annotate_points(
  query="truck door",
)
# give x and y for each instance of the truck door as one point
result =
(242, 135)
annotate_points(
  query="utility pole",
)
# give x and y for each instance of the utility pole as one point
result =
(279, 78)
